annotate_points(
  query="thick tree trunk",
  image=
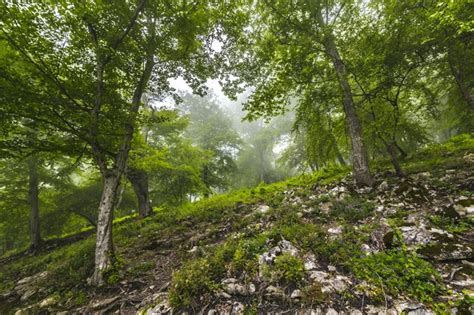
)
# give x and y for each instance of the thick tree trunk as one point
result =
(33, 199)
(104, 245)
(392, 150)
(360, 163)
(139, 180)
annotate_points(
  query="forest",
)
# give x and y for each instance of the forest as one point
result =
(187, 157)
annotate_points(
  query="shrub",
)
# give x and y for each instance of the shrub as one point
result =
(192, 285)
(288, 269)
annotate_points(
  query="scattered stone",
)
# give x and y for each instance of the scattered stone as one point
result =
(47, 302)
(27, 294)
(274, 292)
(104, 303)
(233, 287)
(263, 208)
(162, 307)
(296, 294)
(383, 186)
(335, 230)
(223, 295)
(310, 262)
(237, 308)
(331, 268)
(331, 311)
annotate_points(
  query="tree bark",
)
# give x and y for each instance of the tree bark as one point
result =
(360, 163)
(104, 245)
(392, 150)
(104, 253)
(139, 180)
(33, 199)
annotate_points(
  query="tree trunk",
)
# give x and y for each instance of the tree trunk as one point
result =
(360, 163)
(402, 152)
(460, 78)
(104, 245)
(33, 199)
(139, 180)
(392, 150)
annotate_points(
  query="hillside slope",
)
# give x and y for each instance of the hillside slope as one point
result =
(311, 245)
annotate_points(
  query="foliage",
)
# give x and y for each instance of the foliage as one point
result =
(288, 269)
(193, 284)
(396, 272)
(351, 209)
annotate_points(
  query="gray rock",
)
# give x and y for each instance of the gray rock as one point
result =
(335, 230)
(318, 276)
(331, 311)
(296, 294)
(383, 186)
(104, 303)
(263, 208)
(274, 292)
(233, 287)
(237, 308)
(47, 302)
(28, 294)
(310, 262)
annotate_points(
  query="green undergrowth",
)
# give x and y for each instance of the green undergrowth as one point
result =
(70, 265)
(398, 272)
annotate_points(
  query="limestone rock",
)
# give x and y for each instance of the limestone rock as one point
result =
(296, 294)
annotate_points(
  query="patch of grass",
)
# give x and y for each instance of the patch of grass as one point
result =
(398, 272)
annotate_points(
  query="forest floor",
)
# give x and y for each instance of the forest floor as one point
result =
(314, 244)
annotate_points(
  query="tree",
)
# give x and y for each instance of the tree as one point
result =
(288, 40)
(210, 129)
(96, 100)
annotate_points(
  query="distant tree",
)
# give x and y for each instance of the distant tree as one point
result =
(211, 130)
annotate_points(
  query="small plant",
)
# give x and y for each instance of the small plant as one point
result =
(451, 225)
(192, 285)
(245, 255)
(313, 294)
(288, 269)
(397, 272)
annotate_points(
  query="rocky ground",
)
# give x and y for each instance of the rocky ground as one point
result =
(403, 246)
